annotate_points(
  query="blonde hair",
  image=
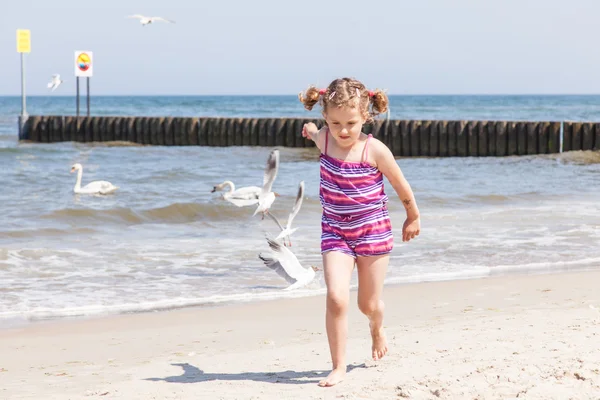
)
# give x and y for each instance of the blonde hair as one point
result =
(347, 92)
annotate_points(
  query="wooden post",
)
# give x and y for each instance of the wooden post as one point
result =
(152, 132)
(576, 136)
(139, 129)
(472, 134)
(395, 138)
(270, 132)
(415, 137)
(490, 128)
(190, 128)
(521, 131)
(176, 129)
(56, 127)
(230, 131)
(69, 129)
(95, 125)
(116, 129)
(462, 139)
(168, 131)
(424, 139)
(262, 132)
(299, 140)
(483, 129)
(290, 137)
(129, 133)
(501, 134)
(33, 133)
(567, 136)
(532, 131)
(453, 128)
(587, 136)
(543, 135)
(254, 132)
(212, 129)
(246, 129)
(554, 137)
(405, 133)
(109, 129)
(202, 131)
(279, 132)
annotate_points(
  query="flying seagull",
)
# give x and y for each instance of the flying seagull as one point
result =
(281, 260)
(266, 197)
(55, 82)
(148, 20)
(288, 230)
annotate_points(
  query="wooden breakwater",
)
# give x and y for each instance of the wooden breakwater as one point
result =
(406, 138)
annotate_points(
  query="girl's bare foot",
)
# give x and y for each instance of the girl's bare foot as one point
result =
(334, 377)
(379, 347)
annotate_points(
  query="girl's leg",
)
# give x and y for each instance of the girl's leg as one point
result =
(371, 273)
(337, 268)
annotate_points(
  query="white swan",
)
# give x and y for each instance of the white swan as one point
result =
(267, 196)
(285, 264)
(245, 196)
(287, 231)
(96, 187)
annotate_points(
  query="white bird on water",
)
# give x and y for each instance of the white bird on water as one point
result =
(287, 231)
(148, 20)
(96, 187)
(285, 264)
(267, 196)
(245, 196)
(55, 82)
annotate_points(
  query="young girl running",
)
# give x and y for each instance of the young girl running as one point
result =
(355, 225)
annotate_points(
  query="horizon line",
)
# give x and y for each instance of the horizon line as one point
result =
(280, 95)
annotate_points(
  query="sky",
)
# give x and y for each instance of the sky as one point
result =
(277, 47)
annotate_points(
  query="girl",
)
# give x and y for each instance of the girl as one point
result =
(356, 227)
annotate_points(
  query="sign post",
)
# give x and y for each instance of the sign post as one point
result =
(23, 46)
(84, 68)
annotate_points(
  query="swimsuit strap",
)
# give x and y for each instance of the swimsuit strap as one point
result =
(326, 140)
(366, 152)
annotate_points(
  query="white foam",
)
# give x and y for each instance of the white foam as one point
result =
(39, 313)
(484, 271)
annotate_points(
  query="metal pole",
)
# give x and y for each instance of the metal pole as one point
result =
(88, 95)
(23, 117)
(562, 136)
(77, 97)
(23, 102)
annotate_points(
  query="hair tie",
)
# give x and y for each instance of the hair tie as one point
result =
(322, 91)
(371, 93)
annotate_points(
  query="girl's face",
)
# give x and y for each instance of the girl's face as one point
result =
(345, 124)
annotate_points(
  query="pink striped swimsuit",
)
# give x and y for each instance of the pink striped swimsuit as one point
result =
(355, 218)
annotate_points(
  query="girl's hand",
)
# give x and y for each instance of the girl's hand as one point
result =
(411, 228)
(309, 130)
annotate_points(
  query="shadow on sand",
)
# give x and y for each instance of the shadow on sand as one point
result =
(192, 374)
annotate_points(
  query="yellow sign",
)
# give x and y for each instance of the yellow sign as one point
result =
(23, 41)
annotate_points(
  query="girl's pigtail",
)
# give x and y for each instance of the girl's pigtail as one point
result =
(379, 101)
(311, 96)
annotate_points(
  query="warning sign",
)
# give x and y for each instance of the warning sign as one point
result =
(84, 65)
(23, 41)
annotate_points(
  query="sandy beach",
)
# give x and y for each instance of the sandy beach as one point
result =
(530, 337)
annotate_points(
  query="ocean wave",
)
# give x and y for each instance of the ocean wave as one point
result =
(475, 272)
(314, 289)
(44, 313)
(173, 213)
(28, 233)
